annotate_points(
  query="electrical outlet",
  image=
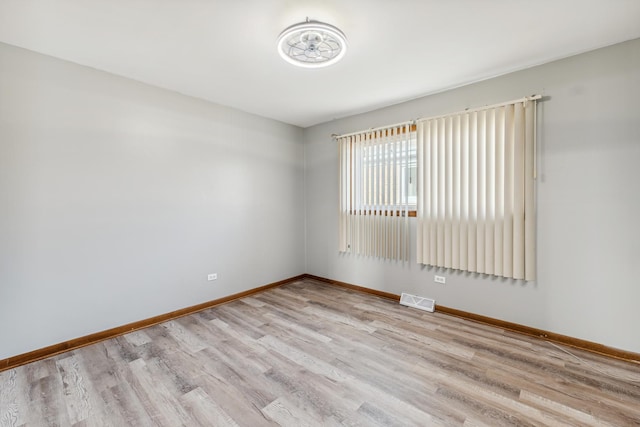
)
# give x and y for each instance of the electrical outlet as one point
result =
(440, 279)
(213, 276)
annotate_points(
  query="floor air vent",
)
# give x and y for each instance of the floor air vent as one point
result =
(415, 301)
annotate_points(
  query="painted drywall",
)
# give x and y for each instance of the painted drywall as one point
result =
(118, 198)
(588, 202)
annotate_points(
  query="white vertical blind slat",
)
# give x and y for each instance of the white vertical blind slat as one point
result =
(499, 193)
(448, 189)
(363, 219)
(374, 200)
(489, 191)
(529, 193)
(359, 237)
(507, 234)
(455, 194)
(403, 208)
(342, 247)
(482, 193)
(385, 202)
(433, 208)
(473, 192)
(440, 184)
(518, 193)
(464, 192)
(421, 181)
(353, 190)
(366, 196)
(410, 139)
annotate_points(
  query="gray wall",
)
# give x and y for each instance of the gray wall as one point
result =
(117, 199)
(588, 202)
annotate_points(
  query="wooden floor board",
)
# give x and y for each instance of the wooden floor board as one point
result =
(309, 353)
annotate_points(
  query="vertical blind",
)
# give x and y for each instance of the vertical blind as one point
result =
(375, 191)
(475, 209)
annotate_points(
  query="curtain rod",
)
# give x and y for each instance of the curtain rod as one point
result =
(486, 107)
(467, 110)
(344, 135)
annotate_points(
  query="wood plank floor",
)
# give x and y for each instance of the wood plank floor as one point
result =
(309, 354)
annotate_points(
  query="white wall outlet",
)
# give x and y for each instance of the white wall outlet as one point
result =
(440, 279)
(213, 276)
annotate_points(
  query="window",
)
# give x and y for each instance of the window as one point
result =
(468, 177)
(378, 191)
(385, 175)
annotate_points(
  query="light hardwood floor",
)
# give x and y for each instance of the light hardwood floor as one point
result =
(308, 353)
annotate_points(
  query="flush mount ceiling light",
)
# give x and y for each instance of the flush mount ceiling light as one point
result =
(312, 44)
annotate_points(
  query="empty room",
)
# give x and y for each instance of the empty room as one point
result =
(319, 213)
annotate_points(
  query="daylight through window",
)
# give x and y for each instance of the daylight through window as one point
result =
(378, 191)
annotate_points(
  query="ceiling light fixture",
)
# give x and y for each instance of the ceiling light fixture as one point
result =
(312, 44)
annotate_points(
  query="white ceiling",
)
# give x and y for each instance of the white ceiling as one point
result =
(224, 50)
